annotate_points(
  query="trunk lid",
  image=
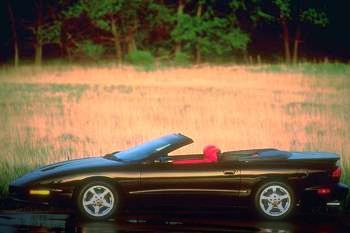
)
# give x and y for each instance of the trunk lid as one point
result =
(315, 156)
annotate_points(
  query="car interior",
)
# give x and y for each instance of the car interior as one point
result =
(210, 155)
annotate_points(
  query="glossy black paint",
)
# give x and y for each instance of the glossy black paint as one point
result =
(232, 181)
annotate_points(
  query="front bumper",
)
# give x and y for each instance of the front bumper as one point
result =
(56, 196)
(334, 198)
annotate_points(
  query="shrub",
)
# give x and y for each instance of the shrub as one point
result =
(181, 59)
(89, 49)
(141, 58)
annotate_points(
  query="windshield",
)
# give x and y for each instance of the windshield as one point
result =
(161, 145)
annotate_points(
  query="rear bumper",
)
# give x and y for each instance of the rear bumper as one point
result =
(334, 198)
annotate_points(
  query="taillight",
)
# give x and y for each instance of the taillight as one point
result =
(324, 191)
(336, 174)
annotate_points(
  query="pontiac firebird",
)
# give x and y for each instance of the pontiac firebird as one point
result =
(270, 181)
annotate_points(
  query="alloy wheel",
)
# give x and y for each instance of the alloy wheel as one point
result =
(275, 200)
(98, 201)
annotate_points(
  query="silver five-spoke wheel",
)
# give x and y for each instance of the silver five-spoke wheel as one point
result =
(274, 200)
(97, 200)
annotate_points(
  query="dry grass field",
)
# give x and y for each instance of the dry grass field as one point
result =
(58, 113)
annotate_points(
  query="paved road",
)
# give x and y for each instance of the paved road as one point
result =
(42, 222)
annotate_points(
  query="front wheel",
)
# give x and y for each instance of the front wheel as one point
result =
(97, 200)
(274, 200)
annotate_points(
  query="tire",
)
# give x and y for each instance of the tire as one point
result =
(97, 200)
(274, 200)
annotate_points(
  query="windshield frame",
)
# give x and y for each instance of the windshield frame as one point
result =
(153, 148)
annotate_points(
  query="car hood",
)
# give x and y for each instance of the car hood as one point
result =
(67, 167)
(78, 164)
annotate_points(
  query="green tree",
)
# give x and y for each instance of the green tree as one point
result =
(119, 18)
(208, 34)
(291, 15)
(14, 34)
(47, 26)
(157, 25)
(180, 20)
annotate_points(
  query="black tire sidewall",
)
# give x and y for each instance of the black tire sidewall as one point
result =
(261, 213)
(80, 196)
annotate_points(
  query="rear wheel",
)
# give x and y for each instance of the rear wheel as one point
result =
(97, 200)
(274, 200)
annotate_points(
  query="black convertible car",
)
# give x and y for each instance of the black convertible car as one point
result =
(271, 181)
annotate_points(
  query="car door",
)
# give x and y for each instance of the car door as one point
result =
(205, 183)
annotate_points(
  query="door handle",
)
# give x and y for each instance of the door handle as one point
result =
(229, 173)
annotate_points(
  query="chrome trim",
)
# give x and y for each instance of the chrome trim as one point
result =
(333, 204)
(188, 190)
(56, 190)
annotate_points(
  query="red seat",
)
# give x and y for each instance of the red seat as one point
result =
(210, 153)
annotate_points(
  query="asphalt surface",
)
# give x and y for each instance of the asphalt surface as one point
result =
(44, 221)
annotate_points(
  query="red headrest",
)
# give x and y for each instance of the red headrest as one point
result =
(211, 153)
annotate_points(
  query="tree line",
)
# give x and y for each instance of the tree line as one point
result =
(183, 30)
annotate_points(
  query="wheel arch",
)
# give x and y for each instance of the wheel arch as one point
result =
(108, 180)
(283, 181)
(268, 179)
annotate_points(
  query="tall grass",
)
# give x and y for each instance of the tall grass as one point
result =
(321, 69)
(65, 112)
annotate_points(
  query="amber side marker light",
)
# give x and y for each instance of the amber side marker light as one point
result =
(39, 192)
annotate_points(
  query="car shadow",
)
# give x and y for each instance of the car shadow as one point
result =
(168, 221)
